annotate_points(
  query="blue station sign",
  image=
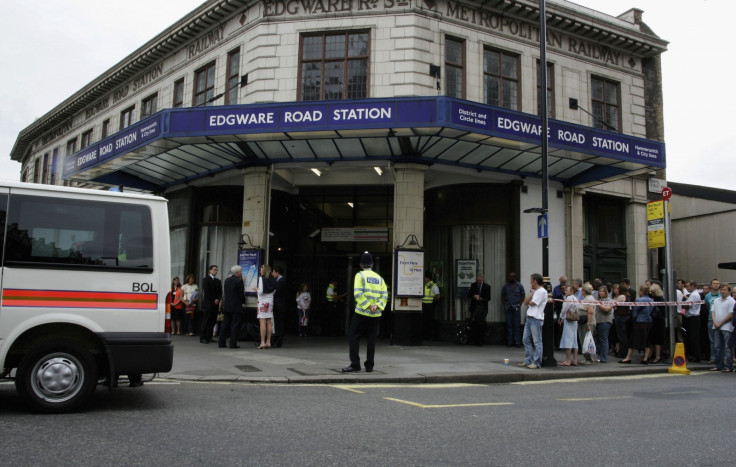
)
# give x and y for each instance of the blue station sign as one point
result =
(367, 114)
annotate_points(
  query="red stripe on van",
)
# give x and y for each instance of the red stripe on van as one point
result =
(74, 299)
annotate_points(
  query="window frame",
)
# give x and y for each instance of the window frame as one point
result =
(178, 85)
(346, 59)
(149, 105)
(502, 78)
(86, 139)
(232, 79)
(127, 115)
(204, 70)
(606, 124)
(71, 146)
(550, 90)
(105, 131)
(451, 65)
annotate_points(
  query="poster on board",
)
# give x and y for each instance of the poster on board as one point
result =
(250, 261)
(409, 273)
(465, 272)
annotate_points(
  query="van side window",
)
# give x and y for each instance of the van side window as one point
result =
(79, 234)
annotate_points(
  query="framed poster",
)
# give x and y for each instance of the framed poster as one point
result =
(465, 271)
(250, 261)
(409, 273)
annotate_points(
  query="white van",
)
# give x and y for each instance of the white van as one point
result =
(84, 280)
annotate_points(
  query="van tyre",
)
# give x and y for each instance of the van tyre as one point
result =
(56, 377)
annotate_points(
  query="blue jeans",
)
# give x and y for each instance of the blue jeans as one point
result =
(533, 341)
(724, 352)
(601, 340)
(513, 325)
(712, 337)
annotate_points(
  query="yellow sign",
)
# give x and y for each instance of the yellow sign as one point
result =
(655, 225)
(655, 210)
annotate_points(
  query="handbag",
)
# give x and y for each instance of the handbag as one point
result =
(220, 316)
(572, 315)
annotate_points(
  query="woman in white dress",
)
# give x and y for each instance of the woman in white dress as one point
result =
(265, 305)
(303, 301)
(569, 340)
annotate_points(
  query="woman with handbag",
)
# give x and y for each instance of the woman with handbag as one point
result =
(586, 309)
(190, 297)
(569, 323)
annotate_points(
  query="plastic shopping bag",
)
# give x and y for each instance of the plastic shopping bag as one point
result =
(589, 344)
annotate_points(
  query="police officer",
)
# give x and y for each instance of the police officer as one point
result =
(334, 327)
(371, 295)
(429, 303)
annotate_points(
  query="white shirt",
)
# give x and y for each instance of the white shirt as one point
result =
(721, 308)
(694, 310)
(536, 306)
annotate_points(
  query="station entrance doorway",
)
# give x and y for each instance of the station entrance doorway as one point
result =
(303, 242)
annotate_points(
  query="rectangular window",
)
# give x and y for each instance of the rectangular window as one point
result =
(126, 117)
(105, 129)
(550, 90)
(54, 161)
(80, 234)
(37, 170)
(149, 105)
(178, 93)
(334, 66)
(45, 170)
(501, 78)
(606, 104)
(233, 77)
(86, 138)
(455, 68)
(71, 146)
(204, 85)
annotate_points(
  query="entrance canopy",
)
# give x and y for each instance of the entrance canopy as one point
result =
(175, 146)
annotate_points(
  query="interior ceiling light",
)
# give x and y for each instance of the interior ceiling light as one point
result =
(378, 170)
(350, 204)
(317, 172)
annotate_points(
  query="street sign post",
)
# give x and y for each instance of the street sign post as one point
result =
(542, 226)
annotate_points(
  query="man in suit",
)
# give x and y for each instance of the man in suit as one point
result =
(212, 291)
(280, 306)
(232, 308)
(479, 295)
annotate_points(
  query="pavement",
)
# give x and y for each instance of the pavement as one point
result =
(319, 360)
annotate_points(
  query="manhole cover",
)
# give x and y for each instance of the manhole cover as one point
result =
(247, 368)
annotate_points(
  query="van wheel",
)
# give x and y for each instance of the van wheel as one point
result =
(56, 377)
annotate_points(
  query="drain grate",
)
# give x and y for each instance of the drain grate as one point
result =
(247, 368)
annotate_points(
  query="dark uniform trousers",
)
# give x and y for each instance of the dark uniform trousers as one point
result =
(359, 325)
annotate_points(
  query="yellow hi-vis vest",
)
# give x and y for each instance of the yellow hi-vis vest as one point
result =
(329, 293)
(428, 296)
(369, 289)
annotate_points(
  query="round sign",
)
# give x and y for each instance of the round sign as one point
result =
(666, 193)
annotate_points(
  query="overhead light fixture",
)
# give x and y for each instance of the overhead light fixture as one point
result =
(317, 172)
(378, 170)
(350, 204)
(315, 233)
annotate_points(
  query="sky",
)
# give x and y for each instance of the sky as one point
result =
(53, 48)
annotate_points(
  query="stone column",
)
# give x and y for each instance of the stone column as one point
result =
(256, 211)
(408, 220)
(574, 231)
(637, 251)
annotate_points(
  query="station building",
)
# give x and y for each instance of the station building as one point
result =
(314, 130)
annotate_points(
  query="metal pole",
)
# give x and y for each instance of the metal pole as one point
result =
(670, 281)
(545, 127)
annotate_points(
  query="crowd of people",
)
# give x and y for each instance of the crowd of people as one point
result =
(623, 322)
(217, 310)
(222, 308)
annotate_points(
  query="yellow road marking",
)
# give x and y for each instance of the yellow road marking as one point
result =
(445, 406)
(605, 378)
(576, 399)
(356, 387)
